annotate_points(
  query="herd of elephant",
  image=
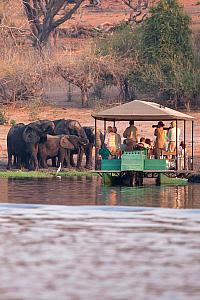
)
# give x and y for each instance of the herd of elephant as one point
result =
(31, 145)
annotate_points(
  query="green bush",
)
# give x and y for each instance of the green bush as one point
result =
(121, 42)
(3, 119)
(168, 63)
(13, 122)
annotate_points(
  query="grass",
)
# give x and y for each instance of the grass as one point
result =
(43, 174)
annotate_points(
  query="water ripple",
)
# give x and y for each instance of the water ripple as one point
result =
(87, 252)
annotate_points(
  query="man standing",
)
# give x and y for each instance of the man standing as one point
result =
(172, 136)
(131, 136)
(160, 134)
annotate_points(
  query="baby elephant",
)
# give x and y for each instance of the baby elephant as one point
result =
(59, 146)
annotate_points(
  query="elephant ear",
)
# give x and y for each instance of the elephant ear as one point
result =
(30, 135)
(65, 143)
(73, 124)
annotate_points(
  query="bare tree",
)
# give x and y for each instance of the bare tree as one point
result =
(139, 9)
(44, 16)
(78, 78)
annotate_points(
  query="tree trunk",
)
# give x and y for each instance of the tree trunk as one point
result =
(187, 103)
(84, 98)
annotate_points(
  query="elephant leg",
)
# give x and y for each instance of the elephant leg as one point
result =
(34, 158)
(26, 160)
(72, 163)
(88, 154)
(18, 161)
(43, 162)
(67, 158)
(54, 162)
(80, 157)
(61, 158)
(9, 164)
(15, 161)
(65, 163)
(45, 165)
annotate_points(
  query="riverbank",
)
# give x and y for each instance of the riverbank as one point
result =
(16, 174)
(44, 174)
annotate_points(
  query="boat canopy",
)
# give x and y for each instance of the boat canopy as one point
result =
(138, 110)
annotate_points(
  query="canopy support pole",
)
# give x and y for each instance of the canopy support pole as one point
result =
(104, 129)
(177, 166)
(192, 145)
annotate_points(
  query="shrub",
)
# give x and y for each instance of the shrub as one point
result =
(13, 122)
(3, 119)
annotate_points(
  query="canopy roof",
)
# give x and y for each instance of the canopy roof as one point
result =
(140, 111)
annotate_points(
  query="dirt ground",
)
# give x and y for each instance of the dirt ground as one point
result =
(110, 12)
(83, 115)
(115, 11)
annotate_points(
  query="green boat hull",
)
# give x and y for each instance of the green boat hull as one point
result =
(163, 179)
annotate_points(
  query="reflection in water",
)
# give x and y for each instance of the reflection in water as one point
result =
(98, 252)
(90, 191)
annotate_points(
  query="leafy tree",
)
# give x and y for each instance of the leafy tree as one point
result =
(166, 34)
(168, 65)
(118, 51)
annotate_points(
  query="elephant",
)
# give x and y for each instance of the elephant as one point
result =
(59, 146)
(89, 147)
(23, 141)
(71, 127)
(15, 145)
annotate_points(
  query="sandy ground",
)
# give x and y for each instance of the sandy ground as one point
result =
(115, 11)
(83, 115)
(112, 12)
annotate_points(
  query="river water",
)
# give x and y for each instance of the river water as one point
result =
(72, 238)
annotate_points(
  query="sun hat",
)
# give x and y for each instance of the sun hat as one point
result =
(160, 123)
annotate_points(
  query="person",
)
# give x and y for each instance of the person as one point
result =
(118, 140)
(150, 147)
(131, 135)
(104, 152)
(149, 143)
(172, 136)
(160, 134)
(110, 140)
(142, 143)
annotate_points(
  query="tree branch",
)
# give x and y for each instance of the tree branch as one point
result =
(68, 15)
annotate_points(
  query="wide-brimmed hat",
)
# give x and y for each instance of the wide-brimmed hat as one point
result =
(160, 123)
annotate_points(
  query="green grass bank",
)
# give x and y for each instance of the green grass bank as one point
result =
(44, 174)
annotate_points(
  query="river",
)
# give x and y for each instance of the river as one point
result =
(73, 238)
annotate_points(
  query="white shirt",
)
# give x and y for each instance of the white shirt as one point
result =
(172, 134)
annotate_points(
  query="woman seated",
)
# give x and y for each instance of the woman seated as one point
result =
(142, 144)
(104, 152)
(113, 141)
